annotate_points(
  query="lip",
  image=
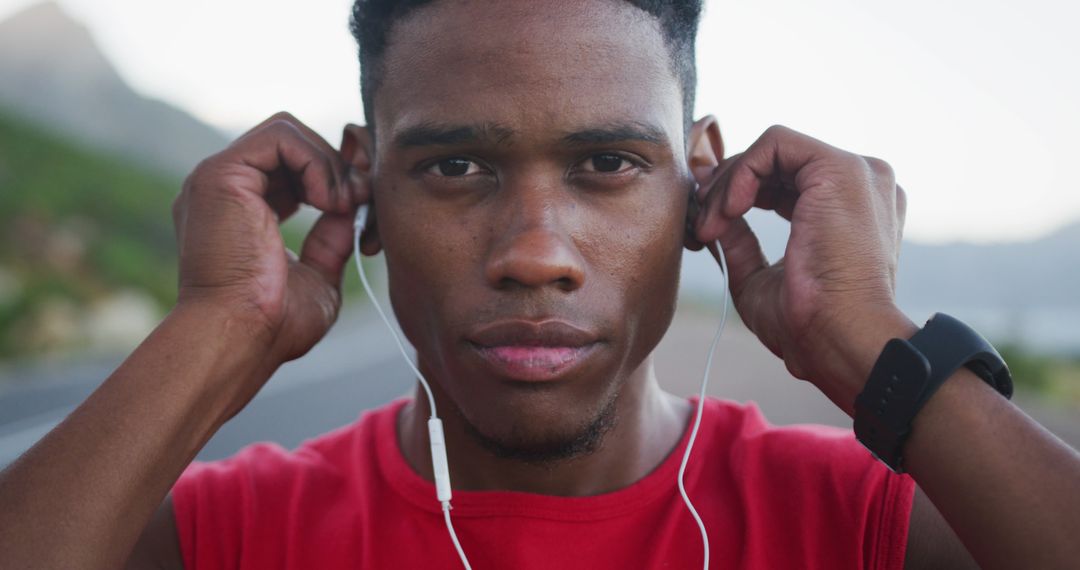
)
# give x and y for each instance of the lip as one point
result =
(533, 351)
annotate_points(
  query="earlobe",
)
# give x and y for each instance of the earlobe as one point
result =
(706, 148)
(356, 151)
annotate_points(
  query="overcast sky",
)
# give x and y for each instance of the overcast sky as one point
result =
(973, 102)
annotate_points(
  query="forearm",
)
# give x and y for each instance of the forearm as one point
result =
(1008, 488)
(80, 497)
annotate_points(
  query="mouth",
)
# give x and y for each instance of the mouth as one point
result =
(532, 351)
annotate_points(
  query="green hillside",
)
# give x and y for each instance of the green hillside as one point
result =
(76, 226)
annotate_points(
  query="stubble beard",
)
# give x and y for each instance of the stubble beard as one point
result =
(552, 450)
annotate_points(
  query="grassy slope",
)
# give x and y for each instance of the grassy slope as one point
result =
(77, 224)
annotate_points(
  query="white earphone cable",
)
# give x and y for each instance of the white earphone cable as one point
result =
(363, 279)
(453, 535)
(439, 464)
(701, 406)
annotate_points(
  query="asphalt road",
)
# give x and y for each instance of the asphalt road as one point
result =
(355, 368)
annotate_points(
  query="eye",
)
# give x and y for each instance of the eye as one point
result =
(454, 167)
(607, 163)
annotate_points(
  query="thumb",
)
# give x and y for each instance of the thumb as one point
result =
(755, 289)
(328, 246)
(742, 250)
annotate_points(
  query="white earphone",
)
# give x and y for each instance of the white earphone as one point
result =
(435, 429)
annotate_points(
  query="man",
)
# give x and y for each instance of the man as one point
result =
(529, 166)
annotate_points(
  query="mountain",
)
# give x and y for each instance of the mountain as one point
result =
(51, 71)
(1024, 292)
(1042, 273)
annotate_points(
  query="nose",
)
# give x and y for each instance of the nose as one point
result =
(535, 251)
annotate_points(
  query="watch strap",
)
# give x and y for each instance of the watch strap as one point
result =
(896, 385)
(948, 344)
(908, 372)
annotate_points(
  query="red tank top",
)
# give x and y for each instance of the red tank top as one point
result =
(771, 497)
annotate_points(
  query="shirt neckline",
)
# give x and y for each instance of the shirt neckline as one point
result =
(399, 475)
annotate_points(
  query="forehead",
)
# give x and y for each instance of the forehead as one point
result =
(534, 66)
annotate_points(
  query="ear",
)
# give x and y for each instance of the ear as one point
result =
(357, 151)
(706, 149)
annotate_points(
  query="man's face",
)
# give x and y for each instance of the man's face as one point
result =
(529, 171)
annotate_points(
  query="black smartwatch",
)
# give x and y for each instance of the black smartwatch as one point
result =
(909, 371)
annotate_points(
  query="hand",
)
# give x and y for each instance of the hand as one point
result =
(828, 306)
(232, 257)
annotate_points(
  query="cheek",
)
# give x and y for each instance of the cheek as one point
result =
(423, 261)
(646, 246)
(640, 260)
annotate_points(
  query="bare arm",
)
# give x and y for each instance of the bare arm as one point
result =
(1008, 488)
(158, 548)
(83, 496)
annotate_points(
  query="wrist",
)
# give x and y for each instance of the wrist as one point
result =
(237, 327)
(850, 353)
(227, 353)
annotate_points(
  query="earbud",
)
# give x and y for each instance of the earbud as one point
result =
(361, 218)
(693, 209)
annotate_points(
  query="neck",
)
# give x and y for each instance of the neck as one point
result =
(649, 424)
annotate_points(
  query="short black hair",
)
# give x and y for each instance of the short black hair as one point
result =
(372, 20)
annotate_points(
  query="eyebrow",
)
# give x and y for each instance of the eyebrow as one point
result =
(430, 133)
(618, 132)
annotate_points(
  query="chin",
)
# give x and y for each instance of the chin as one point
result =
(538, 428)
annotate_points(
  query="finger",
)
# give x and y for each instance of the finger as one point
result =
(302, 127)
(313, 170)
(328, 246)
(770, 195)
(355, 184)
(767, 175)
(775, 159)
(743, 252)
(778, 199)
(179, 216)
(901, 212)
(901, 216)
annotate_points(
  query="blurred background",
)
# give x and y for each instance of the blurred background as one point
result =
(105, 105)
